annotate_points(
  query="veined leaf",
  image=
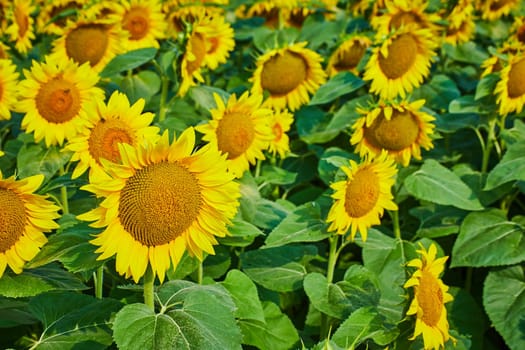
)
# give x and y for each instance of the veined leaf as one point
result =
(128, 60)
(341, 84)
(510, 168)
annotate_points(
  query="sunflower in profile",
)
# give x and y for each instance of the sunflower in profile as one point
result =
(360, 200)
(401, 62)
(8, 88)
(289, 75)
(517, 31)
(430, 297)
(510, 89)
(347, 56)
(280, 123)
(24, 218)
(240, 129)
(118, 123)
(461, 25)
(54, 14)
(401, 129)
(491, 10)
(500, 57)
(21, 25)
(162, 200)
(58, 98)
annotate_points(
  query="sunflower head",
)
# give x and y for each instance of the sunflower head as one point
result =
(348, 55)
(8, 88)
(21, 25)
(491, 10)
(280, 123)
(144, 22)
(403, 13)
(54, 14)
(510, 90)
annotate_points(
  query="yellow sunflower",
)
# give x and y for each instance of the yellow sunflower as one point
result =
(491, 10)
(4, 4)
(280, 123)
(95, 42)
(360, 200)
(4, 51)
(498, 60)
(24, 217)
(348, 55)
(144, 21)
(58, 99)
(401, 62)
(178, 15)
(53, 14)
(510, 90)
(430, 297)
(400, 13)
(517, 30)
(401, 129)
(267, 10)
(289, 75)
(240, 129)
(8, 88)
(164, 199)
(118, 123)
(21, 25)
(219, 42)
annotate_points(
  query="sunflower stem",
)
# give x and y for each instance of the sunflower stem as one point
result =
(163, 97)
(491, 139)
(149, 279)
(99, 280)
(200, 273)
(63, 193)
(395, 223)
(332, 260)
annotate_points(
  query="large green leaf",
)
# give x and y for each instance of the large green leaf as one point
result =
(488, 239)
(437, 220)
(34, 159)
(128, 60)
(14, 313)
(144, 85)
(437, 184)
(245, 296)
(510, 168)
(467, 317)
(341, 84)
(331, 161)
(242, 234)
(504, 302)
(438, 92)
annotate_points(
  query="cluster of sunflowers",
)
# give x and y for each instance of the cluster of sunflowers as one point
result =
(166, 186)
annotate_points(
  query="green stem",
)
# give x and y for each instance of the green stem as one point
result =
(395, 223)
(63, 194)
(258, 168)
(163, 97)
(332, 260)
(99, 280)
(200, 273)
(491, 139)
(149, 279)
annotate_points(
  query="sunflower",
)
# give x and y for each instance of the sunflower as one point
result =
(280, 123)
(510, 89)
(4, 51)
(401, 62)
(360, 200)
(119, 123)
(401, 129)
(53, 14)
(58, 98)
(220, 42)
(517, 30)
(288, 74)
(91, 41)
(24, 217)
(4, 4)
(491, 10)
(430, 297)
(177, 16)
(21, 25)
(144, 21)
(240, 129)
(500, 56)
(164, 199)
(348, 55)
(267, 10)
(8, 88)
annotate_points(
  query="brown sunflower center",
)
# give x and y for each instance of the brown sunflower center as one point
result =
(520, 33)
(283, 73)
(498, 4)
(402, 53)
(136, 23)
(403, 18)
(430, 298)
(198, 49)
(362, 193)
(22, 21)
(277, 131)
(349, 59)
(398, 133)
(516, 82)
(12, 219)
(235, 134)
(159, 203)
(58, 100)
(87, 43)
(105, 138)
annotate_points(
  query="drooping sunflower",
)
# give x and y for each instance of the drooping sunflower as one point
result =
(21, 25)
(8, 88)
(400, 128)
(289, 75)
(360, 200)
(280, 123)
(510, 89)
(240, 129)
(491, 10)
(24, 218)
(58, 98)
(54, 14)
(430, 297)
(118, 122)
(348, 55)
(162, 200)
(401, 62)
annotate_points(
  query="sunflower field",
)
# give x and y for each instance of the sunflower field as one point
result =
(273, 174)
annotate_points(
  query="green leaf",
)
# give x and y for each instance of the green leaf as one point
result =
(143, 85)
(245, 296)
(514, 134)
(467, 317)
(303, 224)
(510, 168)
(128, 60)
(275, 175)
(450, 122)
(242, 234)
(465, 104)
(15, 313)
(437, 221)
(437, 184)
(331, 161)
(488, 239)
(438, 92)
(313, 125)
(317, 32)
(486, 85)
(468, 52)
(203, 96)
(504, 302)
(317, 289)
(341, 84)
(34, 159)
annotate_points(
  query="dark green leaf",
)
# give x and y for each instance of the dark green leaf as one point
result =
(34, 159)
(331, 161)
(449, 122)
(203, 96)
(341, 84)
(128, 60)
(486, 85)
(312, 125)
(464, 105)
(14, 313)
(467, 317)
(468, 52)
(276, 175)
(437, 221)
(245, 296)
(510, 168)
(143, 85)
(242, 234)
(438, 92)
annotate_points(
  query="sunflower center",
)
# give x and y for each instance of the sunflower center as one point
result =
(159, 203)
(105, 138)
(58, 100)
(136, 23)
(277, 131)
(87, 43)
(12, 219)
(403, 18)
(198, 49)
(498, 4)
(516, 83)
(235, 134)
(349, 59)
(283, 73)
(395, 134)
(362, 193)
(430, 298)
(402, 53)
(520, 33)
(22, 21)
